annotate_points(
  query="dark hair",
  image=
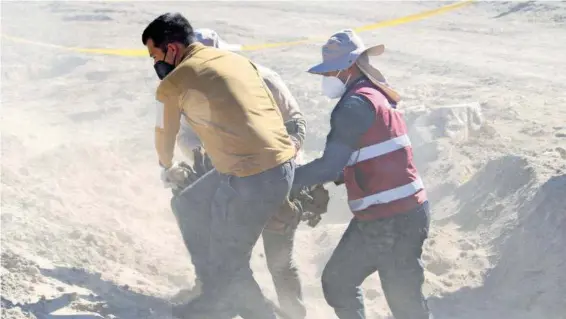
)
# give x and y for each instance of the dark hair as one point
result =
(169, 28)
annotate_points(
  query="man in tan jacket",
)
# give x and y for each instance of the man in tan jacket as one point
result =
(236, 119)
(279, 233)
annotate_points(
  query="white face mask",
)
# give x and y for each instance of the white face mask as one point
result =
(333, 87)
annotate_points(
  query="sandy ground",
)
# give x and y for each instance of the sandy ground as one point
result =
(86, 228)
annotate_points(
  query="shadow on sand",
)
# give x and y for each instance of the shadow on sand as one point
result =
(107, 300)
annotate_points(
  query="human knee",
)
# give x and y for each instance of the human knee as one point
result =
(333, 286)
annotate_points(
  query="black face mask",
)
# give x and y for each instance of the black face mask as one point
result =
(163, 68)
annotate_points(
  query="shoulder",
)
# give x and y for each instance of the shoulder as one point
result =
(183, 76)
(355, 105)
(270, 76)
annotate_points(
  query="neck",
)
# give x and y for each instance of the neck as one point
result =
(188, 50)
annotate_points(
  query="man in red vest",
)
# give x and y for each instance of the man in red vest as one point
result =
(369, 150)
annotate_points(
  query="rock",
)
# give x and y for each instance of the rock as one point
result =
(153, 269)
(467, 246)
(457, 122)
(31, 270)
(90, 239)
(75, 234)
(372, 294)
(562, 152)
(124, 237)
(7, 217)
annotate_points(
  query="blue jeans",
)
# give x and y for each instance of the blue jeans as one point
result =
(221, 218)
(393, 248)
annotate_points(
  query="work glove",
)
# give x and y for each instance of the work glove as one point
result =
(319, 198)
(287, 218)
(202, 165)
(179, 175)
(313, 202)
(315, 205)
(172, 175)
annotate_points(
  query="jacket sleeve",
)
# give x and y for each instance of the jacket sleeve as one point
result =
(349, 121)
(289, 107)
(187, 140)
(167, 124)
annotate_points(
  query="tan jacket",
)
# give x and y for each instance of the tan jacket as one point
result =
(288, 106)
(229, 108)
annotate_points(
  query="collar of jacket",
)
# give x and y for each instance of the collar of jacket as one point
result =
(191, 50)
(167, 90)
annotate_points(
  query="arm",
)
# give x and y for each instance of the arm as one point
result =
(297, 129)
(351, 119)
(166, 128)
(187, 140)
(288, 106)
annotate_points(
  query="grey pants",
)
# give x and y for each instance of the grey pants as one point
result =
(393, 248)
(279, 256)
(221, 218)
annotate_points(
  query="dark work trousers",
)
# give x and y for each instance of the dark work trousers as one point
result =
(279, 257)
(221, 218)
(393, 248)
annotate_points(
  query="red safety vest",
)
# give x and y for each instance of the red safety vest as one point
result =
(380, 177)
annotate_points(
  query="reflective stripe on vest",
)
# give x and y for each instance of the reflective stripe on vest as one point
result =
(379, 149)
(386, 196)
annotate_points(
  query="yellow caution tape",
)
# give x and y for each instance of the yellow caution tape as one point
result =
(255, 47)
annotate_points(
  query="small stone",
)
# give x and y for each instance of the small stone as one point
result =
(153, 269)
(90, 239)
(32, 270)
(372, 294)
(126, 287)
(7, 217)
(561, 151)
(76, 234)
(60, 289)
(467, 246)
(73, 296)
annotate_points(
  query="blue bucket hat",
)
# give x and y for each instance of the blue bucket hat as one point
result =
(342, 50)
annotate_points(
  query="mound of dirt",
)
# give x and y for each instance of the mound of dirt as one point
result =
(521, 221)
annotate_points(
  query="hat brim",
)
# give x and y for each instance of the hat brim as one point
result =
(346, 62)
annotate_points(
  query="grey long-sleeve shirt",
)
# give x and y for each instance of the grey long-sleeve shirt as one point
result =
(350, 119)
